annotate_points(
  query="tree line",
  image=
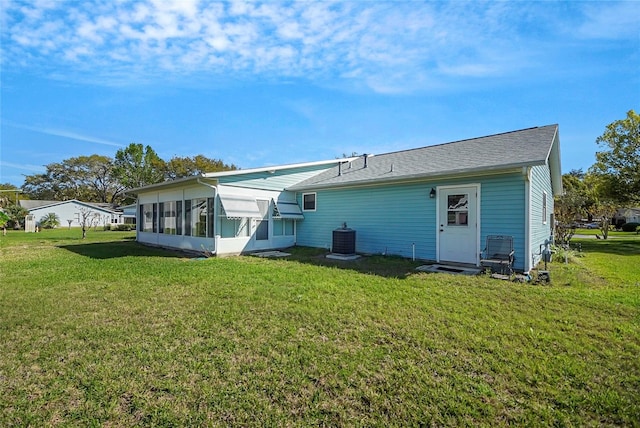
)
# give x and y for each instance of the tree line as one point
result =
(612, 182)
(97, 178)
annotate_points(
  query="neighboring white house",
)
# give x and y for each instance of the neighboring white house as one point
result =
(129, 213)
(70, 212)
(627, 215)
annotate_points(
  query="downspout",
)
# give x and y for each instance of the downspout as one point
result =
(216, 237)
(528, 260)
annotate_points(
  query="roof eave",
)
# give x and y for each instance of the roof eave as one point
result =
(554, 163)
(165, 184)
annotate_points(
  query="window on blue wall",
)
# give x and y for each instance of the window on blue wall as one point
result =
(283, 227)
(308, 202)
(544, 207)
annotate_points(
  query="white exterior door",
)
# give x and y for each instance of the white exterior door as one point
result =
(458, 215)
(261, 232)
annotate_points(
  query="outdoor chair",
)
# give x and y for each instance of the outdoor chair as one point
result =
(498, 254)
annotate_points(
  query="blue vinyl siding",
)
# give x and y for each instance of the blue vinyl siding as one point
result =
(389, 219)
(502, 211)
(278, 180)
(540, 229)
(386, 219)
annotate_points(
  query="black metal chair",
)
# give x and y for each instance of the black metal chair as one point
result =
(498, 253)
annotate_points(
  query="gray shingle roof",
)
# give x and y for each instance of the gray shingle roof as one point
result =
(32, 204)
(526, 147)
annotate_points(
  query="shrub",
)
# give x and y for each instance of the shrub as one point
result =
(630, 227)
(50, 221)
(564, 253)
(124, 227)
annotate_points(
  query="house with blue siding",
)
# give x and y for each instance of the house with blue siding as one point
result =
(434, 203)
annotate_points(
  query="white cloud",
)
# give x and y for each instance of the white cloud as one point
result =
(67, 134)
(24, 167)
(616, 20)
(388, 46)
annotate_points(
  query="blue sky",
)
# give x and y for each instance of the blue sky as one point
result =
(258, 84)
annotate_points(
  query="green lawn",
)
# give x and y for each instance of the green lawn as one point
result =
(108, 332)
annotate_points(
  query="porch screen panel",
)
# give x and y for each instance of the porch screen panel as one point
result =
(210, 218)
(148, 221)
(199, 217)
(178, 217)
(262, 226)
(187, 217)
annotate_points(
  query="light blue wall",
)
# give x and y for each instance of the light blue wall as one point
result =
(385, 218)
(391, 218)
(502, 211)
(278, 180)
(540, 228)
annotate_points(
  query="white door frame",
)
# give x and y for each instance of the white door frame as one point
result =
(478, 219)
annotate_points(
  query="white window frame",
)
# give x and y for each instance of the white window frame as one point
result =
(544, 207)
(315, 201)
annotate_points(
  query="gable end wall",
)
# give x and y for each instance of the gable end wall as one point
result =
(540, 228)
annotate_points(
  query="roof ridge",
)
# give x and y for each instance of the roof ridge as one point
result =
(464, 140)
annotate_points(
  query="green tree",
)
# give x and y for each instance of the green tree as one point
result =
(618, 166)
(179, 167)
(8, 194)
(50, 221)
(16, 215)
(602, 207)
(86, 178)
(138, 165)
(94, 175)
(4, 219)
(571, 206)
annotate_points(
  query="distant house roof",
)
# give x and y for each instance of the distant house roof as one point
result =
(30, 204)
(494, 153)
(36, 204)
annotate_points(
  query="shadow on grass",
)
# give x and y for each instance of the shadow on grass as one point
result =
(385, 266)
(116, 249)
(618, 246)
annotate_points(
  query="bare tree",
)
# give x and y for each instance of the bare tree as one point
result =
(87, 219)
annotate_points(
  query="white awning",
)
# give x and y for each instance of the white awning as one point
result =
(236, 206)
(289, 210)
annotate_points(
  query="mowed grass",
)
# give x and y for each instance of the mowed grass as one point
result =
(107, 332)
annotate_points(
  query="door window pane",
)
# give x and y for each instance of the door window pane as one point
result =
(458, 210)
